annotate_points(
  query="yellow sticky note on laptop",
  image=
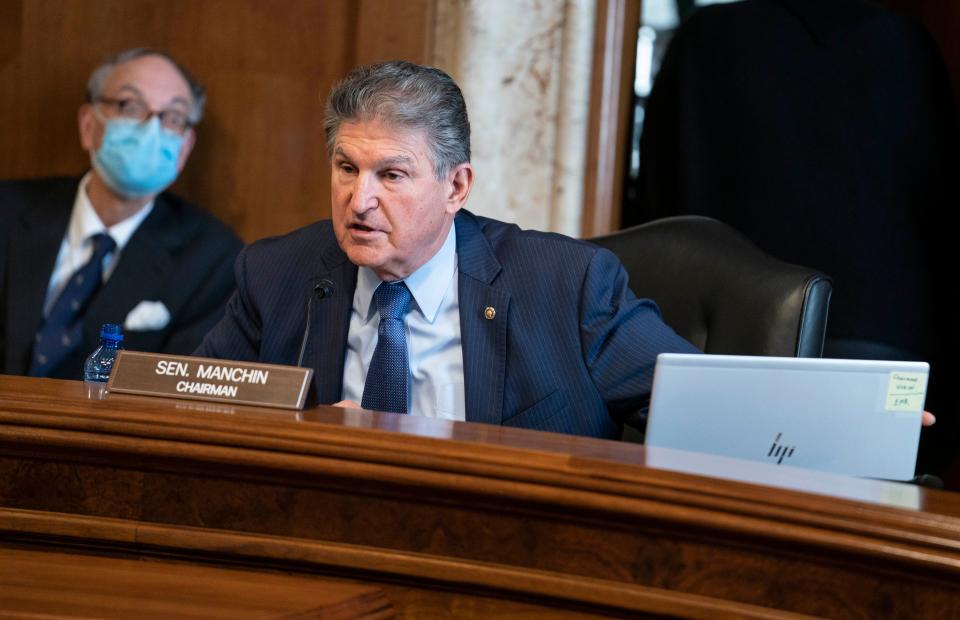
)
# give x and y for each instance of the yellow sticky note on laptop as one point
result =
(906, 391)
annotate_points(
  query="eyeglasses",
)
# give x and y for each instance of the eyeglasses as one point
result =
(173, 120)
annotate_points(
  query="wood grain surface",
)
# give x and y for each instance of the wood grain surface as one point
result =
(77, 585)
(469, 520)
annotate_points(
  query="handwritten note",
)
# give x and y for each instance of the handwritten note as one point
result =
(906, 391)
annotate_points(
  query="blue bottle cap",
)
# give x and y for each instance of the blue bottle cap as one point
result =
(111, 331)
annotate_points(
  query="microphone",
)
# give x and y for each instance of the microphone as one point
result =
(321, 290)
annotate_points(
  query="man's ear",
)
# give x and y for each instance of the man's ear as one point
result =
(460, 182)
(88, 127)
(189, 139)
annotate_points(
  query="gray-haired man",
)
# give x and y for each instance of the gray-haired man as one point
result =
(111, 247)
(414, 305)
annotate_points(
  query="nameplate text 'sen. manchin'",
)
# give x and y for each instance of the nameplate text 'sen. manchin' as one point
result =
(202, 378)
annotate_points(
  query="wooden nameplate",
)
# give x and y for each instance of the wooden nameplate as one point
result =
(203, 378)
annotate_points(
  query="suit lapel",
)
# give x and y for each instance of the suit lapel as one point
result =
(330, 323)
(33, 249)
(145, 264)
(483, 339)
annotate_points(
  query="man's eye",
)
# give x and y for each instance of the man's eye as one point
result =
(131, 108)
(174, 120)
(392, 176)
(347, 168)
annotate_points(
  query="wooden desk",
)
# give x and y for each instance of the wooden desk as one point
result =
(58, 584)
(454, 519)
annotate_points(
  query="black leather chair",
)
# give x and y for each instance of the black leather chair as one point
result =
(725, 295)
(722, 293)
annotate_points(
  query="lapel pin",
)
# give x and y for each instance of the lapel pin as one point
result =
(489, 313)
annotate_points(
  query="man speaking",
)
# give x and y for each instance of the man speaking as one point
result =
(405, 302)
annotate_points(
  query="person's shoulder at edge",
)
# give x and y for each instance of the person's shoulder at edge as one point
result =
(505, 240)
(309, 249)
(560, 260)
(295, 243)
(502, 235)
(16, 194)
(193, 222)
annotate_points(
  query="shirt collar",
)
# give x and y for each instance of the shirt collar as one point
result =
(84, 221)
(427, 285)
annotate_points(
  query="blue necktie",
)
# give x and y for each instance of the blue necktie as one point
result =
(62, 331)
(386, 385)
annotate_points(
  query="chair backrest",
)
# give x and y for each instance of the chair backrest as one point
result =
(721, 292)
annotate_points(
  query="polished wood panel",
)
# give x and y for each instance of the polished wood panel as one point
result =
(611, 99)
(9, 30)
(388, 30)
(78, 585)
(260, 161)
(446, 514)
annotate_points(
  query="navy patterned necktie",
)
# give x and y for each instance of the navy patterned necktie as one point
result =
(62, 331)
(386, 386)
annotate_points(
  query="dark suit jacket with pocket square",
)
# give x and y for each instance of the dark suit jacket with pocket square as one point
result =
(180, 255)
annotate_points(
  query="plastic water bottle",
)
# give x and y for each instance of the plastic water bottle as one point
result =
(96, 370)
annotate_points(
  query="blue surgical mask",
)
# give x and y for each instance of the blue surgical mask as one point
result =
(137, 159)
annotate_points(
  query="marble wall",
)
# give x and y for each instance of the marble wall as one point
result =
(524, 67)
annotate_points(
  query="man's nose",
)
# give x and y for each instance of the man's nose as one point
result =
(364, 197)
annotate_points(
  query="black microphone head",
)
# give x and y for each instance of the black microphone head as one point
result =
(323, 288)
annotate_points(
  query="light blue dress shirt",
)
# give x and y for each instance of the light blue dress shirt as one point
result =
(433, 337)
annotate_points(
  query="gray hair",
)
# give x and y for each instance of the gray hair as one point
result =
(404, 95)
(99, 77)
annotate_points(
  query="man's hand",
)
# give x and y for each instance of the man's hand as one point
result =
(349, 404)
(928, 419)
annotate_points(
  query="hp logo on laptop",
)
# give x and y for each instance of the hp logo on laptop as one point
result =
(779, 451)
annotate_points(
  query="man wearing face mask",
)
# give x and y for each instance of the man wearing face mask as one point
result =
(112, 247)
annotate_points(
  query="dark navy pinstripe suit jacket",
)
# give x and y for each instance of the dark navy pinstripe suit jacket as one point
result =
(570, 350)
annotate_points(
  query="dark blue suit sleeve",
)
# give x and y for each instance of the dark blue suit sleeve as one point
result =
(238, 334)
(621, 336)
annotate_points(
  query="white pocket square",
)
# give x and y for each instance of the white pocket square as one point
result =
(148, 315)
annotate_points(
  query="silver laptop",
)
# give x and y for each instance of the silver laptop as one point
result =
(854, 417)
